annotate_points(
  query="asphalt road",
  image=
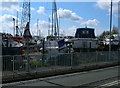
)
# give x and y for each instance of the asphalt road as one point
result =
(99, 76)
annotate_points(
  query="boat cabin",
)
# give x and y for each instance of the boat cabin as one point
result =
(85, 33)
(84, 40)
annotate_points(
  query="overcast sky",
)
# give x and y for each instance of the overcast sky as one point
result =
(72, 15)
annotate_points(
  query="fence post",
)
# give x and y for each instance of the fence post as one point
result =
(55, 61)
(36, 65)
(13, 65)
(71, 59)
(96, 57)
(118, 58)
(106, 57)
(28, 64)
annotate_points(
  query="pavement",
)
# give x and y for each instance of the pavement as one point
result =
(51, 71)
(74, 79)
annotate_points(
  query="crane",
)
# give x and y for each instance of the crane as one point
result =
(25, 15)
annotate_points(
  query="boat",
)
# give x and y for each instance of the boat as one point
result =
(84, 40)
(11, 45)
(54, 44)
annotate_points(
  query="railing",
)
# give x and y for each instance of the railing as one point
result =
(19, 64)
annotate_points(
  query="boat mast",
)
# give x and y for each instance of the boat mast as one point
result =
(37, 28)
(118, 22)
(52, 22)
(55, 27)
(49, 26)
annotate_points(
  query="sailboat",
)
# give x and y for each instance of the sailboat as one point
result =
(55, 45)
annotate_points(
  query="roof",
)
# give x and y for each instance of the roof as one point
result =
(86, 28)
(85, 33)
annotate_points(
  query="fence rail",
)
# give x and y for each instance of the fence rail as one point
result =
(19, 64)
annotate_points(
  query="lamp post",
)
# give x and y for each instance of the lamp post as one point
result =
(110, 31)
(119, 30)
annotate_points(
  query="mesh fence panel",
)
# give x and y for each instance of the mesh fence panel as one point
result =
(18, 64)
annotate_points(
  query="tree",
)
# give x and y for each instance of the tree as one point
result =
(115, 30)
(51, 37)
(107, 33)
(104, 35)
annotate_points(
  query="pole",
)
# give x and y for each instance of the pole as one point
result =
(17, 25)
(13, 26)
(29, 13)
(37, 27)
(13, 65)
(119, 30)
(71, 59)
(28, 60)
(27, 41)
(52, 20)
(43, 46)
(110, 31)
(59, 27)
(43, 51)
(49, 26)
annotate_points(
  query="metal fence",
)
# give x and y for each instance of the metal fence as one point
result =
(19, 64)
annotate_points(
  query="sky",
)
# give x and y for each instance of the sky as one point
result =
(72, 15)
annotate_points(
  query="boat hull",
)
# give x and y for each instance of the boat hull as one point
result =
(10, 50)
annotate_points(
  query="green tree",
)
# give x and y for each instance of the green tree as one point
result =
(104, 35)
(51, 37)
(107, 33)
(115, 30)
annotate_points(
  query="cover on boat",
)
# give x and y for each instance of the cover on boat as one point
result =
(85, 33)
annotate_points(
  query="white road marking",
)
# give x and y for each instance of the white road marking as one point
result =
(110, 84)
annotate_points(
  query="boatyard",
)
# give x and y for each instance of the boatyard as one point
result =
(26, 56)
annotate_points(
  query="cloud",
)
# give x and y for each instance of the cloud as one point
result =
(10, 0)
(32, 8)
(71, 31)
(68, 14)
(90, 23)
(117, 16)
(41, 10)
(11, 6)
(105, 5)
(43, 27)
(43, 24)
(7, 18)
(6, 22)
(7, 27)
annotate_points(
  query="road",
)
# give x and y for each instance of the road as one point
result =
(94, 78)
